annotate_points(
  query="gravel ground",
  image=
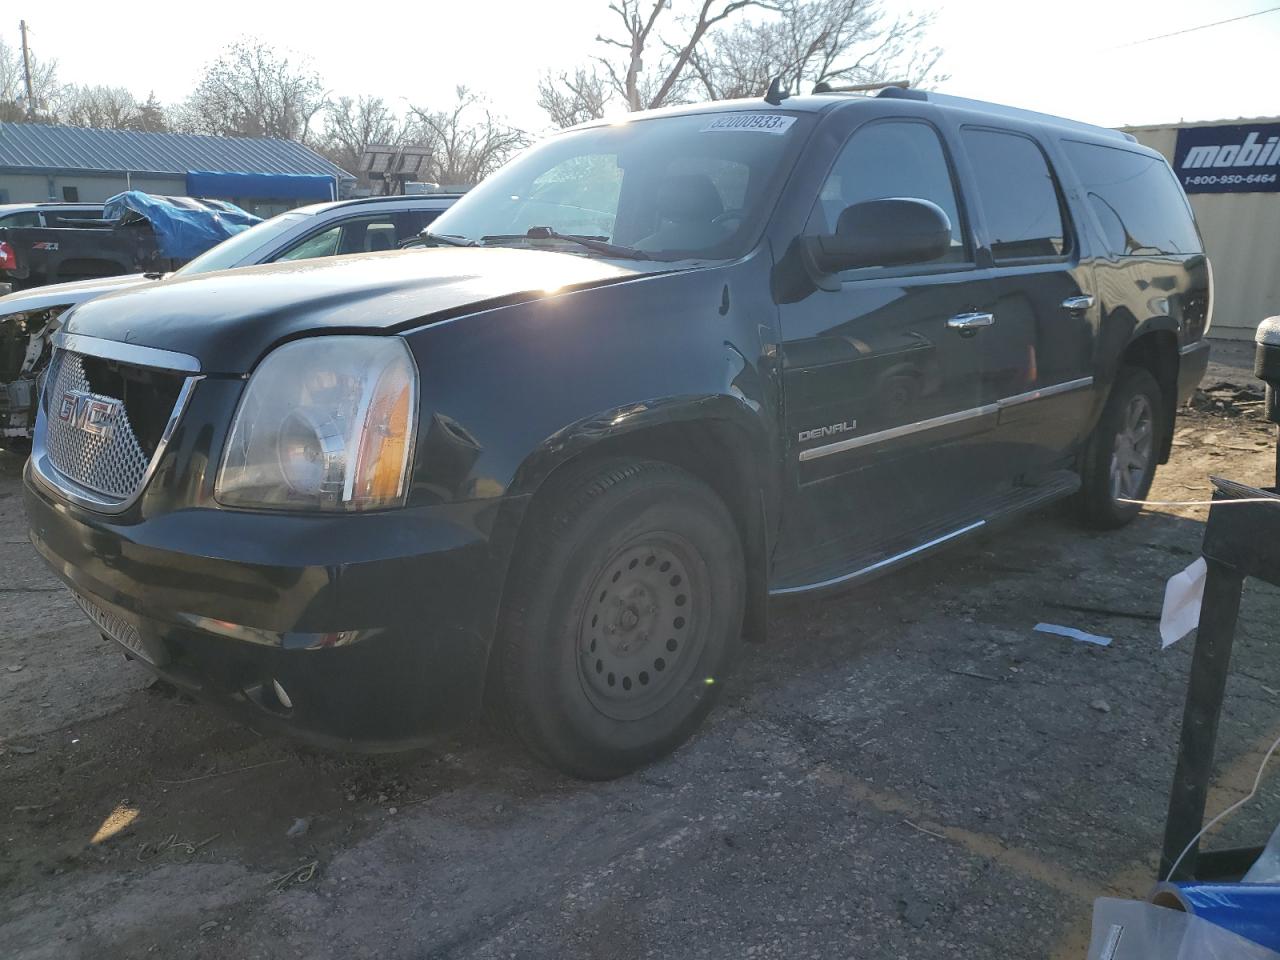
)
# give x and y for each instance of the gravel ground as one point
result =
(906, 770)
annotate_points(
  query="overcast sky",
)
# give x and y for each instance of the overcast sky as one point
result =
(1065, 58)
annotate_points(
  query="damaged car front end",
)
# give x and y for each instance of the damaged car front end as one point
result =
(25, 348)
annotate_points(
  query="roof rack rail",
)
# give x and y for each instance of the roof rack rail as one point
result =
(825, 87)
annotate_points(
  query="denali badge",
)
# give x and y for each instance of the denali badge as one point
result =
(91, 413)
(818, 432)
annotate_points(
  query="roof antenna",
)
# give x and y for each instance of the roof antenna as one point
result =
(822, 87)
(776, 93)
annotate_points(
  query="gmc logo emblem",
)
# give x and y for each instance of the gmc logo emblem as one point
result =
(91, 413)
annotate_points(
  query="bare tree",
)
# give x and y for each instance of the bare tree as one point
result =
(108, 108)
(13, 89)
(806, 42)
(570, 100)
(352, 124)
(253, 90)
(641, 35)
(467, 142)
(669, 51)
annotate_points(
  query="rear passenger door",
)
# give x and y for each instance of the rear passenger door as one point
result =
(1038, 354)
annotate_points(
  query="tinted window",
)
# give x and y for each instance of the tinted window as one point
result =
(890, 159)
(31, 219)
(1018, 195)
(1136, 199)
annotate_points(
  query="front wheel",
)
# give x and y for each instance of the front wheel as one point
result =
(624, 615)
(1120, 461)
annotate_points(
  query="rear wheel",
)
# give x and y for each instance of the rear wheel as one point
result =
(624, 615)
(1120, 461)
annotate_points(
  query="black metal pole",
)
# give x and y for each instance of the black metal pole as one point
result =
(1209, 666)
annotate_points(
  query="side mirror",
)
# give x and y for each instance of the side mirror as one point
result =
(883, 233)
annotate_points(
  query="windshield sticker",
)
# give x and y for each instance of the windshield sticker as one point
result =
(774, 123)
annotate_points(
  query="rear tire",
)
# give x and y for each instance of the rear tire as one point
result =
(1120, 459)
(623, 617)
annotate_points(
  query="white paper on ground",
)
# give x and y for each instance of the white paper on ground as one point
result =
(1182, 596)
(1073, 633)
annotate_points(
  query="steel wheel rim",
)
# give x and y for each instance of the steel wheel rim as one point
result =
(1131, 453)
(643, 628)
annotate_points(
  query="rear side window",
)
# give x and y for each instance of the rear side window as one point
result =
(1136, 199)
(1018, 195)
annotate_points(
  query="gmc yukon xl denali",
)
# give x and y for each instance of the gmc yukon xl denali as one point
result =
(656, 373)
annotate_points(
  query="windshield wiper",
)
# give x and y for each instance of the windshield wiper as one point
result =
(598, 244)
(451, 239)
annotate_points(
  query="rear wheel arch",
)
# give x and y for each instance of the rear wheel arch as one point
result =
(1156, 351)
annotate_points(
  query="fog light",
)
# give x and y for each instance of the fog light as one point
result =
(281, 695)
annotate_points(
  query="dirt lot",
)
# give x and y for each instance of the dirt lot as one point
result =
(903, 771)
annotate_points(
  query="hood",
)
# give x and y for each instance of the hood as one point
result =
(229, 319)
(67, 294)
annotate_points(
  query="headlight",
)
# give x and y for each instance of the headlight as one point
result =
(325, 423)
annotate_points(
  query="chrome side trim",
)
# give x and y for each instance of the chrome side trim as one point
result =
(840, 446)
(1193, 346)
(946, 419)
(126, 352)
(881, 564)
(1042, 392)
(68, 489)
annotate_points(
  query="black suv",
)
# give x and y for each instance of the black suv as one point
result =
(662, 371)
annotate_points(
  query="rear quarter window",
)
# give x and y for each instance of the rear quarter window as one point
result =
(1136, 199)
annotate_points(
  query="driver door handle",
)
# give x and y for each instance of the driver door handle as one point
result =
(1082, 302)
(970, 322)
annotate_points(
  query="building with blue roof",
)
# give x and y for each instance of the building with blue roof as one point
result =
(41, 162)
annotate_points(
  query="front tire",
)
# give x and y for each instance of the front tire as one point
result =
(623, 618)
(1120, 460)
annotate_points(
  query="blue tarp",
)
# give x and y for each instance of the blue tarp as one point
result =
(261, 186)
(184, 226)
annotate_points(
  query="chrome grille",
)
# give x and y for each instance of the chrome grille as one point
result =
(108, 460)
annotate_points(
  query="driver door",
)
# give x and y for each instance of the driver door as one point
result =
(884, 419)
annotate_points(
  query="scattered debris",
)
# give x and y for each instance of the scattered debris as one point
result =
(964, 672)
(1072, 633)
(150, 849)
(300, 827)
(299, 874)
(224, 773)
(1227, 398)
(1274, 693)
(1100, 705)
(15, 667)
(20, 748)
(931, 833)
(208, 925)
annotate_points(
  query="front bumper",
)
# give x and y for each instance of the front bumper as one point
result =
(377, 626)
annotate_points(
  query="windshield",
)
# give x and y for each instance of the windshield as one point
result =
(232, 251)
(672, 187)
